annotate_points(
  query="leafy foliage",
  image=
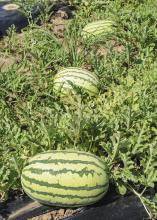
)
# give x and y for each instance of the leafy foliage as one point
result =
(120, 124)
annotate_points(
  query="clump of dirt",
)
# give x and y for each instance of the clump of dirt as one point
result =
(58, 27)
(115, 46)
(56, 214)
(59, 21)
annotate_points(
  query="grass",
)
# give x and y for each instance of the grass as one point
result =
(119, 124)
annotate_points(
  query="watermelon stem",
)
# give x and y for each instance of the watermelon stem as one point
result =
(139, 195)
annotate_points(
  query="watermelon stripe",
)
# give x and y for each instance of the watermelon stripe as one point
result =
(99, 24)
(79, 153)
(60, 195)
(77, 73)
(78, 69)
(64, 191)
(98, 28)
(56, 161)
(70, 80)
(66, 86)
(63, 171)
(44, 202)
(58, 186)
(96, 32)
(89, 81)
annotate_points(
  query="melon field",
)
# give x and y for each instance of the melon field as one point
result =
(117, 122)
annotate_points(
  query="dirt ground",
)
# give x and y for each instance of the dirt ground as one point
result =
(56, 214)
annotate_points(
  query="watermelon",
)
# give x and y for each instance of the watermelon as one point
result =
(98, 29)
(69, 80)
(65, 178)
(11, 7)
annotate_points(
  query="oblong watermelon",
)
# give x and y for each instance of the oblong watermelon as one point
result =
(11, 7)
(65, 178)
(68, 80)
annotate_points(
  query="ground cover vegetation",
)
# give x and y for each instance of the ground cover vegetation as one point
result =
(119, 125)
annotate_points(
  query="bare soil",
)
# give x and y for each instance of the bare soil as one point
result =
(56, 214)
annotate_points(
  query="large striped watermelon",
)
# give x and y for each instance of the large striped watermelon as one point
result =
(68, 80)
(65, 178)
(98, 29)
